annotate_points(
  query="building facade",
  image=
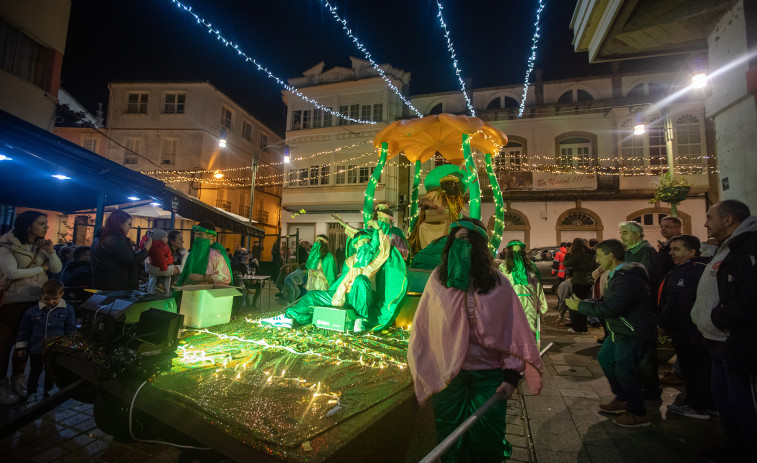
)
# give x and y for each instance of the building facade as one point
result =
(174, 130)
(32, 42)
(573, 166)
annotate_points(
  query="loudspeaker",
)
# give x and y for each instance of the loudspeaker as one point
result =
(159, 327)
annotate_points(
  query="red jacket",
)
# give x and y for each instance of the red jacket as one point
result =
(160, 255)
(558, 262)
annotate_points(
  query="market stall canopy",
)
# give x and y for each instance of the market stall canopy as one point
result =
(192, 208)
(421, 138)
(32, 156)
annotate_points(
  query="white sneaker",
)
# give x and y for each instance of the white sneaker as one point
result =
(279, 321)
(359, 326)
(33, 399)
(18, 383)
(7, 396)
(685, 410)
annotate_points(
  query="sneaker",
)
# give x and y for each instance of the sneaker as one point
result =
(18, 383)
(359, 325)
(7, 396)
(571, 330)
(279, 321)
(685, 410)
(629, 420)
(713, 412)
(614, 407)
(34, 399)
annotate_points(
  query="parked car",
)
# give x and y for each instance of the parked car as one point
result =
(543, 257)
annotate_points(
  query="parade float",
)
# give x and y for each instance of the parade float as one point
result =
(251, 391)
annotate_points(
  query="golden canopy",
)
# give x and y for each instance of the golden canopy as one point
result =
(421, 138)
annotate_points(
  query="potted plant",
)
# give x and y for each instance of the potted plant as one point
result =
(670, 190)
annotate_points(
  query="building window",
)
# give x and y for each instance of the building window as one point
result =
(366, 115)
(510, 157)
(355, 111)
(298, 177)
(263, 216)
(314, 170)
(438, 109)
(226, 117)
(137, 103)
(343, 110)
(327, 118)
(174, 103)
(306, 117)
(324, 175)
(263, 141)
(574, 152)
(224, 204)
(658, 157)
(246, 130)
(21, 56)
(689, 144)
(296, 120)
(89, 143)
(352, 174)
(244, 211)
(131, 151)
(378, 112)
(170, 147)
(341, 175)
(365, 174)
(317, 113)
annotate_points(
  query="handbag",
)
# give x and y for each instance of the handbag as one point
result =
(6, 283)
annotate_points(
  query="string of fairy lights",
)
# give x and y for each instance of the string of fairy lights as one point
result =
(368, 56)
(531, 59)
(454, 58)
(212, 30)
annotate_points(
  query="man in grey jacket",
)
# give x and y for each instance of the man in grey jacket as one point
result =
(726, 315)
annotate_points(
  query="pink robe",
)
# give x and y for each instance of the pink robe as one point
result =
(440, 335)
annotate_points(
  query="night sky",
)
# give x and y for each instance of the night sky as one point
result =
(153, 40)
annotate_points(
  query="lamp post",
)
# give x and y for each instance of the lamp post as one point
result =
(254, 170)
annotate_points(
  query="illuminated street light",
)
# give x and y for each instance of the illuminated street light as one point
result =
(132, 198)
(639, 129)
(61, 177)
(218, 175)
(699, 80)
(222, 139)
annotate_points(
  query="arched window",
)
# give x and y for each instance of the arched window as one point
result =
(494, 104)
(647, 89)
(517, 227)
(688, 140)
(638, 91)
(511, 103)
(501, 102)
(583, 95)
(575, 152)
(646, 150)
(566, 97)
(655, 90)
(438, 109)
(650, 218)
(578, 223)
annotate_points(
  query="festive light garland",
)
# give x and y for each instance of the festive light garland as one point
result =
(499, 224)
(531, 59)
(228, 43)
(454, 58)
(367, 54)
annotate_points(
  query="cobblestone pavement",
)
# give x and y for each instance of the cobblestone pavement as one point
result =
(559, 425)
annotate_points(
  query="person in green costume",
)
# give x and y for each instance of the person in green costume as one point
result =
(369, 251)
(524, 277)
(207, 262)
(385, 218)
(321, 265)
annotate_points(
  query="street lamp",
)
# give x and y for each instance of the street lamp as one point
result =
(254, 172)
(222, 139)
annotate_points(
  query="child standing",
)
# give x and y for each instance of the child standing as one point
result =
(159, 264)
(51, 317)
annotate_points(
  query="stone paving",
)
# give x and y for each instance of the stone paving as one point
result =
(559, 425)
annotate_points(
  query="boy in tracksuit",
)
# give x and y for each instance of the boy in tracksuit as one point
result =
(49, 318)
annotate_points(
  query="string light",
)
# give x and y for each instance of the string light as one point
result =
(370, 59)
(531, 59)
(454, 58)
(228, 43)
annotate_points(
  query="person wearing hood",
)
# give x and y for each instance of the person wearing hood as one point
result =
(627, 308)
(524, 278)
(676, 297)
(208, 262)
(470, 339)
(25, 258)
(725, 314)
(321, 265)
(385, 218)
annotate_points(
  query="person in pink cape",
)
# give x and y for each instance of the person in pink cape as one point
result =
(470, 339)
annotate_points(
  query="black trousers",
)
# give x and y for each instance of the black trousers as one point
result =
(694, 359)
(35, 370)
(578, 320)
